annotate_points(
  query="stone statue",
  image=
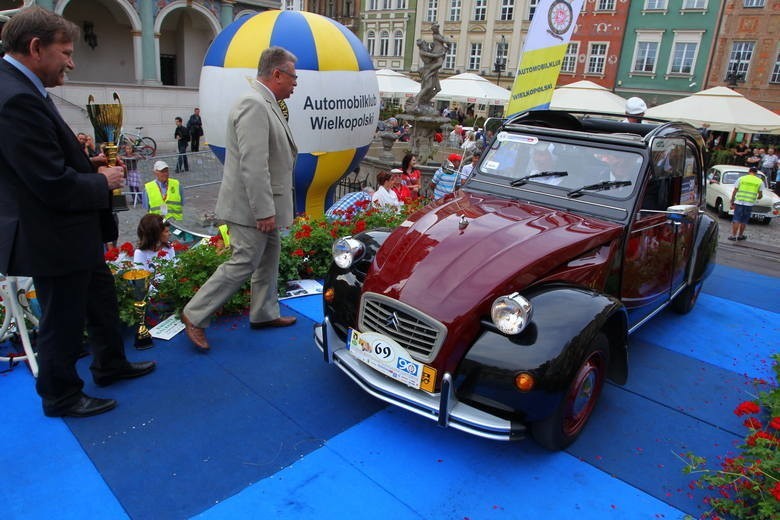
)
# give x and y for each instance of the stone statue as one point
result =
(432, 55)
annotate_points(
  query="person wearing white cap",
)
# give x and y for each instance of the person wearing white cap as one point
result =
(163, 196)
(635, 109)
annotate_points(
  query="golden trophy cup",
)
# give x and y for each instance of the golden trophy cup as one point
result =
(139, 281)
(106, 119)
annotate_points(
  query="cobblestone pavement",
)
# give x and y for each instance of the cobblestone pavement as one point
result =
(760, 252)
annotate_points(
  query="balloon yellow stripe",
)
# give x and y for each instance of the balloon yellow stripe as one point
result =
(333, 50)
(327, 163)
(251, 39)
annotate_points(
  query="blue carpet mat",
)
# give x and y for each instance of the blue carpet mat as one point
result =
(753, 289)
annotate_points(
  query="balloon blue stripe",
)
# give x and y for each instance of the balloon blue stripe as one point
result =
(360, 153)
(305, 166)
(293, 32)
(218, 48)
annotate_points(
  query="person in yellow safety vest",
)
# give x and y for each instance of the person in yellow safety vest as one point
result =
(746, 192)
(163, 196)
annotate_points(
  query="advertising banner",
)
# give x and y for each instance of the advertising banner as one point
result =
(545, 45)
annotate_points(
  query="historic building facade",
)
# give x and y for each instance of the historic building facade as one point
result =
(747, 54)
(666, 48)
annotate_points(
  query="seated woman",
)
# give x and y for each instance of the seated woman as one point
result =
(153, 241)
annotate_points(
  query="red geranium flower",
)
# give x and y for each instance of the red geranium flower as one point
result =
(162, 253)
(178, 246)
(112, 254)
(751, 441)
(127, 248)
(752, 423)
(776, 491)
(359, 226)
(299, 252)
(214, 241)
(775, 423)
(746, 408)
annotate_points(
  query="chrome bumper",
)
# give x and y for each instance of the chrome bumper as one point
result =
(442, 407)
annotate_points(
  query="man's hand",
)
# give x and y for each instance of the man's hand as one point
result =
(266, 225)
(115, 176)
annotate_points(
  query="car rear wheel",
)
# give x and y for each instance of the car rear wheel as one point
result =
(684, 302)
(719, 209)
(567, 422)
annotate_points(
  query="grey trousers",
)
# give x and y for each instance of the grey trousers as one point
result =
(254, 254)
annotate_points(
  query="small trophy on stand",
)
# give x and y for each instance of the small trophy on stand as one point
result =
(139, 280)
(106, 119)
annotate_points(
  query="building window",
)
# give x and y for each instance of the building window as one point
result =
(384, 43)
(754, 3)
(739, 59)
(474, 56)
(569, 63)
(400, 4)
(694, 4)
(655, 5)
(371, 42)
(348, 9)
(331, 8)
(387, 5)
(507, 10)
(685, 48)
(480, 10)
(432, 10)
(597, 55)
(449, 58)
(645, 56)
(398, 43)
(605, 5)
(532, 4)
(373, 5)
(775, 77)
(454, 11)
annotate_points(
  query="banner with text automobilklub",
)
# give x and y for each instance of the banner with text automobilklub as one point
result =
(543, 52)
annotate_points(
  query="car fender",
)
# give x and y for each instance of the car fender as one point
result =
(565, 321)
(705, 246)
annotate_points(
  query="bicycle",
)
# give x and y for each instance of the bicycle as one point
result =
(15, 300)
(144, 146)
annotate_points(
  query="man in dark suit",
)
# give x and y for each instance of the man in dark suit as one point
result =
(195, 127)
(55, 215)
(255, 200)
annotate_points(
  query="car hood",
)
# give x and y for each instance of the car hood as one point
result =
(465, 250)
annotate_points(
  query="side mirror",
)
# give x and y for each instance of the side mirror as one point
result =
(682, 213)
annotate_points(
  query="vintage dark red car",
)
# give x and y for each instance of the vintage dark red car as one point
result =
(501, 309)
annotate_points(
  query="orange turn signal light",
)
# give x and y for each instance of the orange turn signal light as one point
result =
(524, 382)
(329, 294)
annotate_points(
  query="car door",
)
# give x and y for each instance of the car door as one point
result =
(659, 244)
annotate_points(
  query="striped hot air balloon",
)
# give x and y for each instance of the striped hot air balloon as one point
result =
(333, 111)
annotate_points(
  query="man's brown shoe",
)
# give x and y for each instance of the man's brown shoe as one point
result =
(281, 321)
(196, 334)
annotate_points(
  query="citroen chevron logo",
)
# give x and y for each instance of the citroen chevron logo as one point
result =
(392, 321)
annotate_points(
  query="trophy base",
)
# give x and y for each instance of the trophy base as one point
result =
(143, 343)
(119, 202)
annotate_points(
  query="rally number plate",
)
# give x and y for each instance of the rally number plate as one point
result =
(386, 356)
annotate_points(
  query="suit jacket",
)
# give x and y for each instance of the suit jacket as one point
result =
(259, 160)
(54, 209)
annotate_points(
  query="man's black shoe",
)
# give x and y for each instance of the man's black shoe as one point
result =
(131, 371)
(86, 406)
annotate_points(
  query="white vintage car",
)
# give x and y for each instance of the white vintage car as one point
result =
(720, 184)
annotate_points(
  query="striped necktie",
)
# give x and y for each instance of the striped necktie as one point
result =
(284, 109)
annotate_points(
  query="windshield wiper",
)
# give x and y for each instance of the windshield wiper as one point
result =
(523, 180)
(601, 186)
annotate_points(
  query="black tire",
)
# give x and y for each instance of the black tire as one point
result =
(568, 420)
(719, 209)
(685, 301)
(766, 222)
(145, 151)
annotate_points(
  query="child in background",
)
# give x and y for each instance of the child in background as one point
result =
(153, 241)
(130, 158)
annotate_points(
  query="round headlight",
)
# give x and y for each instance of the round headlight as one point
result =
(511, 313)
(345, 250)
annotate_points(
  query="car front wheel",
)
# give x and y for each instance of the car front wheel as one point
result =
(566, 423)
(719, 209)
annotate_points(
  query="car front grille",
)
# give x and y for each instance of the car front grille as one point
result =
(418, 333)
(760, 209)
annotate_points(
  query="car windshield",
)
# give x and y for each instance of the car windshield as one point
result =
(572, 167)
(731, 177)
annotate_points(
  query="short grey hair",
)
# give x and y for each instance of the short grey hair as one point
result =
(274, 58)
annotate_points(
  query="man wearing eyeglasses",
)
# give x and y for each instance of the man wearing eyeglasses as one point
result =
(255, 200)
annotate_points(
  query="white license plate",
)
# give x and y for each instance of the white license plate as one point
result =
(759, 217)
(386, 356)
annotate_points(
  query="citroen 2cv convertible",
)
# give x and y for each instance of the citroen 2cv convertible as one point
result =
(502, 308)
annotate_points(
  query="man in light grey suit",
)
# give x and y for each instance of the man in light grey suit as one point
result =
(255, 200)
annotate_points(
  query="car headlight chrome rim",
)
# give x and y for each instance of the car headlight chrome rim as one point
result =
(345, 250)
(511, 313)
